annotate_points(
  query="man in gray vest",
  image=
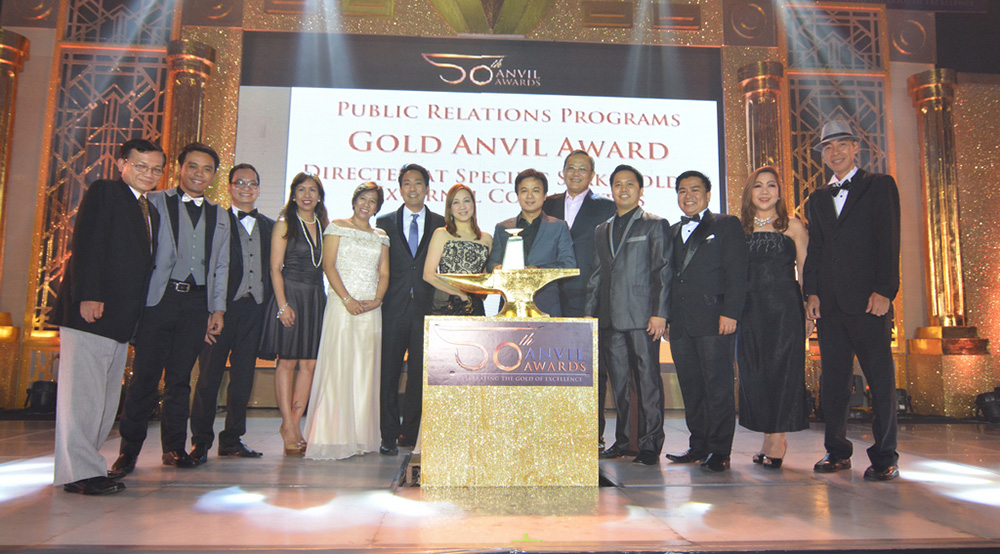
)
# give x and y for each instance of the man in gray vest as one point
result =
(249, 290)
(186, 299)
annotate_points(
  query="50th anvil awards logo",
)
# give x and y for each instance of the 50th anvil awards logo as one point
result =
(481, 70)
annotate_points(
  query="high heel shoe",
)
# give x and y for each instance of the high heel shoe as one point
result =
(758, 458)
(297, 449)
(772, 463)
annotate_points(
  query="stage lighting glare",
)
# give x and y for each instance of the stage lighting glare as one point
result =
(942, 479)
(958, 481)
(25, 477)
(989, 496)
(228, 500)
(689, 509)
(961, 469)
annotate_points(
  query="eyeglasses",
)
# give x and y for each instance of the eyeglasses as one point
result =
(143, 168)
(577, 168)
(241, 184)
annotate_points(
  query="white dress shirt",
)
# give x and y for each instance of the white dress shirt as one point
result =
(841, 199)
(690, 226)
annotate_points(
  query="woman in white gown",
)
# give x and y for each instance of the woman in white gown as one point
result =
(343, 417)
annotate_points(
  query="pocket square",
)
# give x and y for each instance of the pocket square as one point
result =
(636, 239)
(709, 237)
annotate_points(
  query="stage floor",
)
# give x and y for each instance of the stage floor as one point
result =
(947, 499)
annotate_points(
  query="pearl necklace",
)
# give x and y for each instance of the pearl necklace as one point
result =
(762, 222)
(312, 246)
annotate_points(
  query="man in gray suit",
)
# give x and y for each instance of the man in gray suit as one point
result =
(628, 291)
(186, 300)
(547, 241)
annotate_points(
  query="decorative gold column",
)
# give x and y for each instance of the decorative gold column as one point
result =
(949, 363)
(761, 83)
(190, 64)
(13, 54)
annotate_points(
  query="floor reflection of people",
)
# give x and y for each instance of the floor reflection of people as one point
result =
(343, 417)
(458, 247)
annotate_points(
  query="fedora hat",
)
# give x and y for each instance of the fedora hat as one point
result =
(835, 130)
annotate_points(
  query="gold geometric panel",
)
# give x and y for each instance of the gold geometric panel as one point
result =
(912, 36)
(832, 39)
(134, 22)
(214, 13)
(600, 13)
(104, 98)
(29, 13)
(749, 23)
(302, 7)
(366, 7)
(676, 17)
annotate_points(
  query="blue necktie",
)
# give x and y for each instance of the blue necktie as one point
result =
(411, 239)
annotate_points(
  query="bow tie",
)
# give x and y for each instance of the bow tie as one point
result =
(685, 219)
(240, 214)
(197, 201)
(835, 189)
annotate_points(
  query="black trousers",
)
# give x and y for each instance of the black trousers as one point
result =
(401, 333)
(633, 356)
(705, 373)
(238, 343)
(841, 336)
(170, 337)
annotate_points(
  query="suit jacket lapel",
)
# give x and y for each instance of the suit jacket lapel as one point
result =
(236, 261)
(211, 215)
(154, 228)
(628, 227)
(697, 237)
(400, 229)
(428, 231)
(859, 185)
(173, 202)
(559, 206)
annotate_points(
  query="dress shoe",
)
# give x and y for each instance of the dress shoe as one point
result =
(297, 449)
(178, 458)
(688, 457)
(832, 464)
(124, 465)
(647, 458)
(611, 453)
(715, 462)
(887, 474)
(94, 486)
(199, 453)
(758, 458)
(771, 463)
(388, 448)
(238, 450)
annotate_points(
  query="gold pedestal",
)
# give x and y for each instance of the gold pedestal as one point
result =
(949, 341)
(948, 385)
(10, 346)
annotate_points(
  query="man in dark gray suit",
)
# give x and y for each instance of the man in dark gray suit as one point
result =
(547, 242)
(186, 299)
(628, 291)
(583, 210)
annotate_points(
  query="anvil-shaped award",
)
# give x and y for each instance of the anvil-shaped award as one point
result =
(517, 284)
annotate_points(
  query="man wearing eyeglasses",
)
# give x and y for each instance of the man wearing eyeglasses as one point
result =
(99, 302)
(186, 298)
(583, 210)
(249, 290)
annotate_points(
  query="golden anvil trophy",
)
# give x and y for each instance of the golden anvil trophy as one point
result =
(518, 287)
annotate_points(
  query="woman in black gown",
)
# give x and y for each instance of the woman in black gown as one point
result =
(771, 344)
(458, 247)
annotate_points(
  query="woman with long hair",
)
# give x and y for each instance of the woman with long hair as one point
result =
(458, 247)
(344, 403)
(292, 318)
(771, 345)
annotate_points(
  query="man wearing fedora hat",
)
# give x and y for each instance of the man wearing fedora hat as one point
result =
(851, 276)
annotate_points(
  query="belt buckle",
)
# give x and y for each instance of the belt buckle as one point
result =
(182, 287)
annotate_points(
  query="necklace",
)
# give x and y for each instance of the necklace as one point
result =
(312, 245)
(313, 222)
(762, 222)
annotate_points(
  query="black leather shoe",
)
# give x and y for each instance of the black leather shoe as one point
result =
(238, 450)
(647, 458)
(715, 462)
(94, 486)
(611, 453)
(600, 445)
(199, 453)
(887, 474)
(388, 448)
(832, 464)
(688, 457)
(124, 465)
(178, 458)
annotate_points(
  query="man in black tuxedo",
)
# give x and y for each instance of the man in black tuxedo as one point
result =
(406, 302)
(583, 210)
(186, 299)
(249, 289)
(710, 260)
(628, 290)
(100, 299)
(851, 277)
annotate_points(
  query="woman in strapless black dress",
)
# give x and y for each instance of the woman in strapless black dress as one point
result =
(293, 317)
(458, 247)
(771, 345)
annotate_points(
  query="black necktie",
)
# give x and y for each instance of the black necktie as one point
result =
(835, 189)
(685, 219)
(240, 214)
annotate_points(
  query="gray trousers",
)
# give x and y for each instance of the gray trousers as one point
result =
(89, 388)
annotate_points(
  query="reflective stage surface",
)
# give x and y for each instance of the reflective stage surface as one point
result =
(947, 498)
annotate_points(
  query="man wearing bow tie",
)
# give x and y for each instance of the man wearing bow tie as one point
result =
(249, 290)
(710, 285)
(186, 299)
(851, 276)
